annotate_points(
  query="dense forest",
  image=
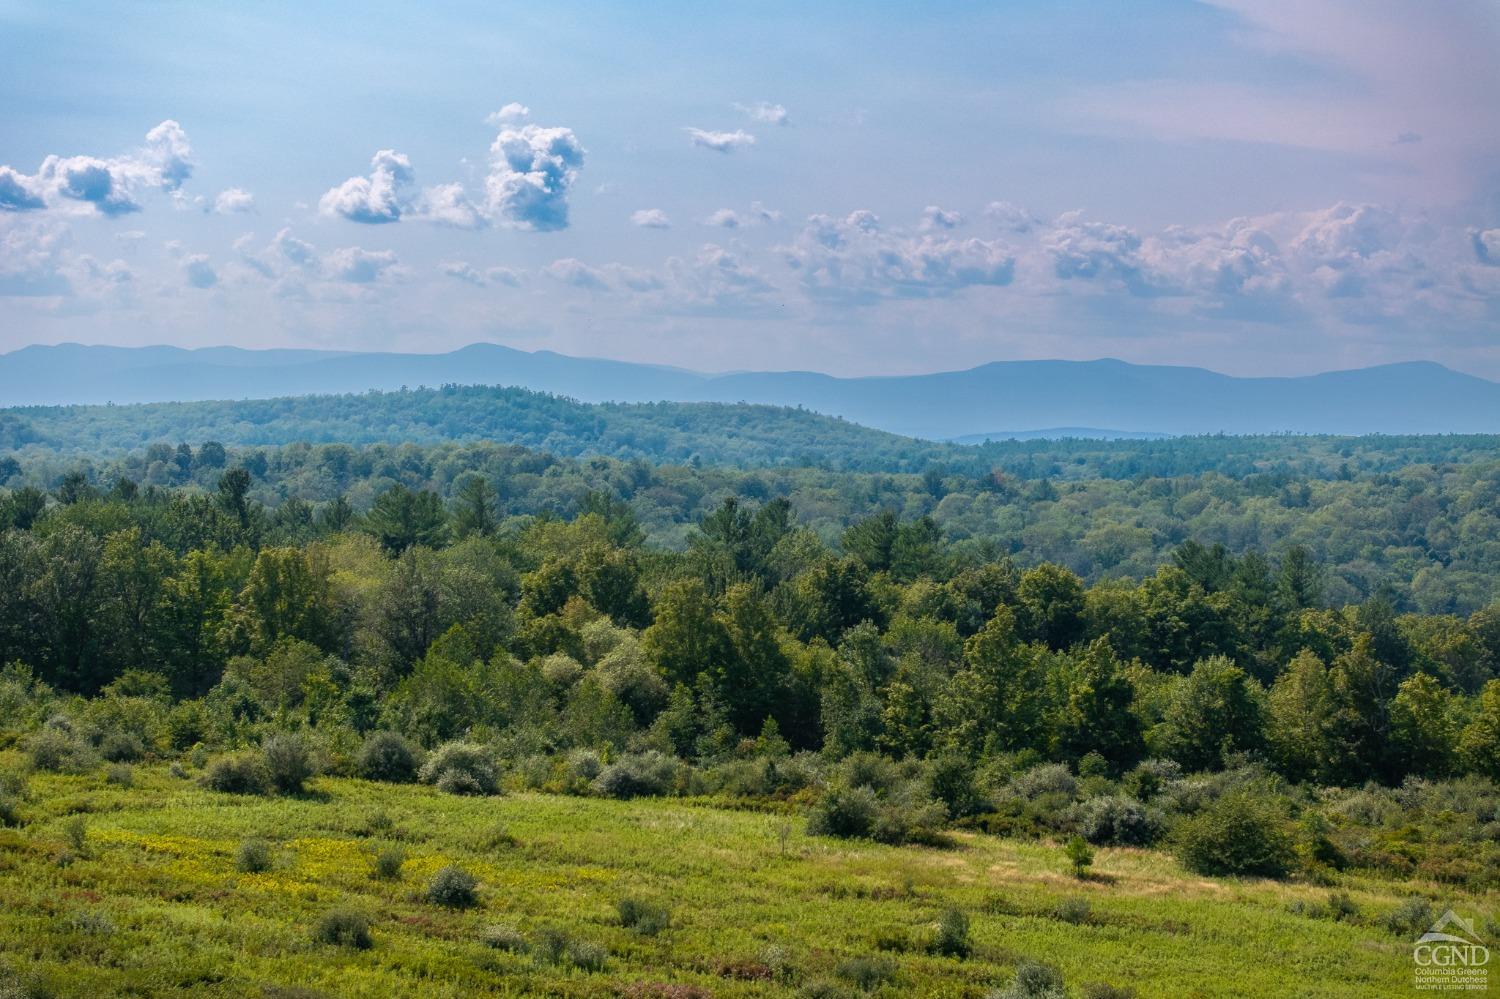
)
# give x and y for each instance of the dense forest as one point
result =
(1411, 518)
(843, 638)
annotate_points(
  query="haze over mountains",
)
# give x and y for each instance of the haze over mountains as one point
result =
(1023, 398)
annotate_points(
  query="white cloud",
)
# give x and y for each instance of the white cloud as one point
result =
(234, 200)
(532, 170)
(514, 111)
(1486, 245)
(650, 218)
(720, 142)
(464, 271)
(724, 218)
(198, 271)
(449, 204)
(934, 217)
(381, 197)
(764, 112)
(359, 266)
(108, 186)
(1009, 217)
(856, 259)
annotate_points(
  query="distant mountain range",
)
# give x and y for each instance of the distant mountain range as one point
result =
(1120, 399)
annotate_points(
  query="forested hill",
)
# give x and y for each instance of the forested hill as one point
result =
(679, 433)
(711, 434)
(1004, 397)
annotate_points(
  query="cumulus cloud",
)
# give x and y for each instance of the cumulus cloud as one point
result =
(724, 218)
(464, 271)
(198, 271)
(32, 257)
(514, 111)
(714, 277)
(720, 142)
(234, 201)
(764, 112)
(1009, 217)
(532, 170)
(855, 258)
(608, 278)
(359, 266)
(650, 218)
(381, 197)
(111, 186)
(1486, 245)
(934, 217)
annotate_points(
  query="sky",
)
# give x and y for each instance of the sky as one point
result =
(1253, 186)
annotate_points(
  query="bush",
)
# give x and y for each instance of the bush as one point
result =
(119, 775)
(849, 812)
(1073, 910)
(122, 747)
(10, 809)
(1033, 981)
(1238, 834)
(822, 990)
(1103, 990)
(1151, 777)
(253, 857)
(288, 762)
(388, 863)
(1080, 856)
(1117, 820)
(502, 937)
(236, 773)
(867, 973)
(909, 816)
(57, 750)
(952, 934)
(638, 775)
(1046, 779)
(454, 888)
(461, 768)
(76, 832)
(344, 927)
(646, 918)
(388, 756)
(587, 956)
(187, 725)
(1409, 918)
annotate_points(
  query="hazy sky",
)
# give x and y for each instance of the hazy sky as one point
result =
(1257, 187)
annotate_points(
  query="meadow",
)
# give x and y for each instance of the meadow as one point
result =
(132, 885)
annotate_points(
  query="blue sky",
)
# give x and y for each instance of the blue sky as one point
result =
(1271, 187)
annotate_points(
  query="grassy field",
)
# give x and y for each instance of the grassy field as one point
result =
(152, 903)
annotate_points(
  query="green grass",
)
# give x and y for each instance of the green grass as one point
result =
(153, 903)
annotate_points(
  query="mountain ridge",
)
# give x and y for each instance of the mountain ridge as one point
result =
(1110, 394)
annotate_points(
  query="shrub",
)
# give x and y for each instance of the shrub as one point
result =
(57, 750)
(253, 857)
(388, 756)
(1080, 856)
(344, 927)
(1103, 990)
(952, 934)
(119, 774)
(1238, 834)
(1151, 777)
(454, 888)
(587, 956)
(76, 832)
(822, 990)
(461, 768)
(236, 773)
(1033, 981)
(288, 762)
(866, 973)
(849, 812)
(1409, 918)
(1118, 820)
(10, 809)
(909, 816)
(187, 724)
(502, 937)
(638, 775)
(1073, 910)
(96, 924)
(1042, 780)
(388, 863)
(646, 918)
(552, 945)
(122, 747)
